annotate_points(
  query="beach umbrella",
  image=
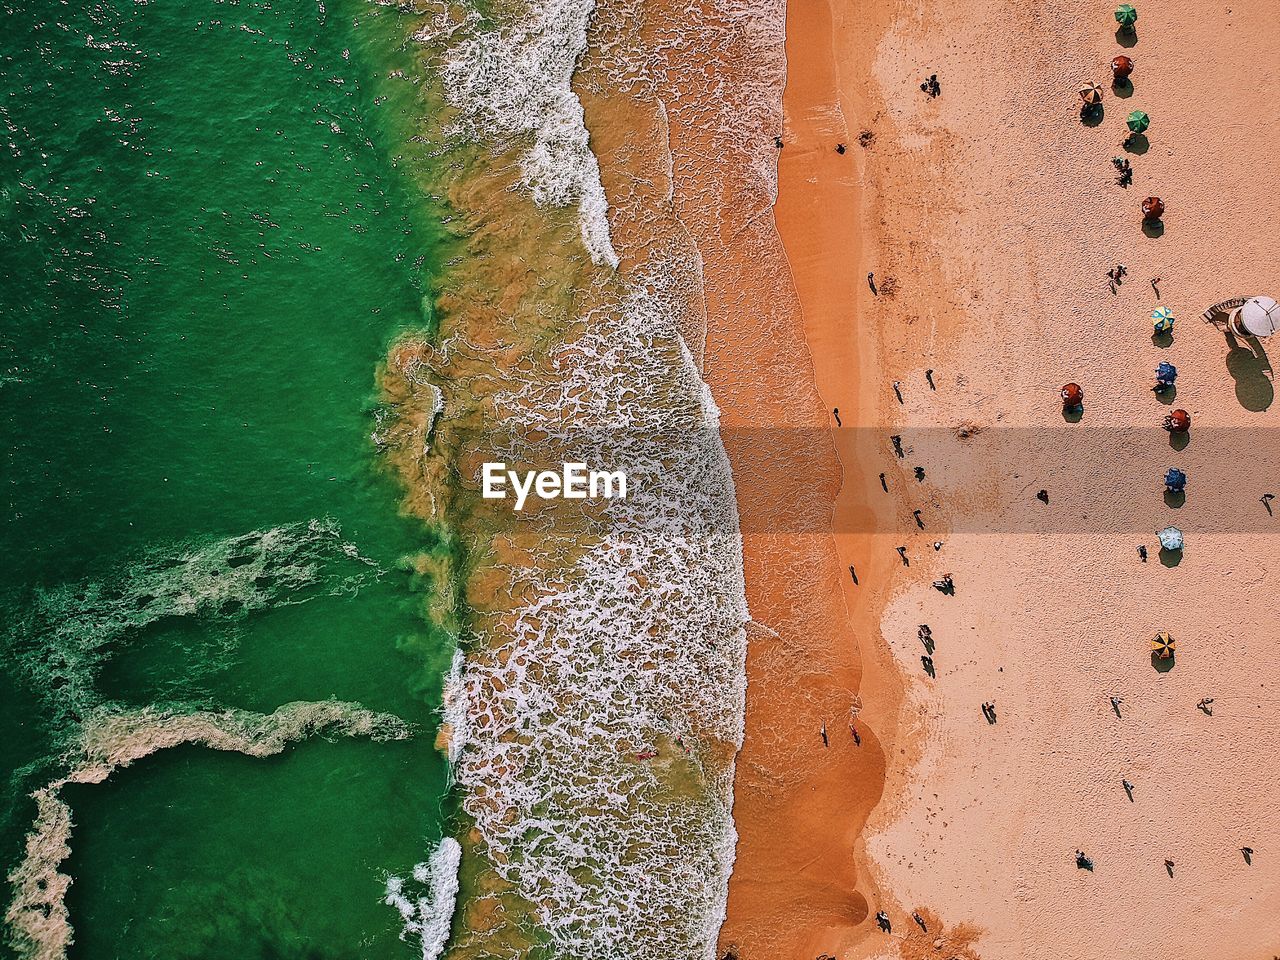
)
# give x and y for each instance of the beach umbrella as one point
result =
(1091, 93)
(1138, 121)
(1259, 317)
(1162, 318)
(1152, 208)
(1178, 422)
(1121, 67)
(1166, 372)
(1163, 645)
(1072, 395)
(1170, 538)
(1175, 480)
(1126, 15)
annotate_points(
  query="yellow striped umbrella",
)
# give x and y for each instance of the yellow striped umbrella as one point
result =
(1162, 645)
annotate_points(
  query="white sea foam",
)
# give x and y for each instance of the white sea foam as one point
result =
(637, 645)
(430, 916)
(62, 635)
(510, 81)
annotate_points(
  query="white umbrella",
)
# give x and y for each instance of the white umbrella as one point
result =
(1259, 317)
(1170, 538)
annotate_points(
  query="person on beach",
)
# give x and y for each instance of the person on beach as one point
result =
(897, 390)
(871, 282)
(919, 472)
(902, 552)
(919, 522)
(857, 740)
(931, 86)
(1043, 496)
(896, 440)
(883, 486)
(1115, 704)
(882, 919)
(1142, 552)
(825, 742)
(927, 662)
(1128, 789)
(835, 412)
(1206, 705)
(1266, 501)
(853, 573)
(840, 148)
(928, 375)
(945, 585)
(1248, 854)
(919, 920)
(1083, 862)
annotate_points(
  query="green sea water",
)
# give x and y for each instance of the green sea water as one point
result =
(212, 224)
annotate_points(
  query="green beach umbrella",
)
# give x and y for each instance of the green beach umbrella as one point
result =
(1126, 15)
(1138, 121)
(1162, 318)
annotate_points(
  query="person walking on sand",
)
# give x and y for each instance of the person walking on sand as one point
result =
(835, 412)
(1115, 704)
(857, 740)
(882, 919)
(928, 375)
(853, 573)
(915, 915)
(897, 390)
(919, 522)
(1128, 789)
(883, 486)
(825, 742)
(871, 282)
(896, 440)
(902, 552)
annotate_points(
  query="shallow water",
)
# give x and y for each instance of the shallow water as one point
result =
(212, 227)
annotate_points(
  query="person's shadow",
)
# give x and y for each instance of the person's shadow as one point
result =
(1249, 366)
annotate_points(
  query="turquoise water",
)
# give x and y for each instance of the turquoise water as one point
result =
(212, 226)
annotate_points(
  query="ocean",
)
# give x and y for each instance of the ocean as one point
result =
(277, 278)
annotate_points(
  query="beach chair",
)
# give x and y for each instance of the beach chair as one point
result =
(1219, 311)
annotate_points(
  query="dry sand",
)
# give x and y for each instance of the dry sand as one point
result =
(995, 210)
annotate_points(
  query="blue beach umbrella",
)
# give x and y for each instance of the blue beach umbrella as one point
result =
(1170, 538)
(1175, 481)
(1162, 318)
(1166, 372)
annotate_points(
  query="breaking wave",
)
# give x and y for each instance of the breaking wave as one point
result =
(38, 920)
(509, 79)
(603, 717)
(430, 916)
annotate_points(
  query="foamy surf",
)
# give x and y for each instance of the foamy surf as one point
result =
(510, 79)
(429, 917)
(39, 923)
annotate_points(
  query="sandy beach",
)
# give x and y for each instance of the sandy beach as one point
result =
(993, 213)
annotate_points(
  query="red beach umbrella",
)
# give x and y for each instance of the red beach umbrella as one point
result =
(1179, 421)
(1121, 67)
(1072, 395)
(1152, 208)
